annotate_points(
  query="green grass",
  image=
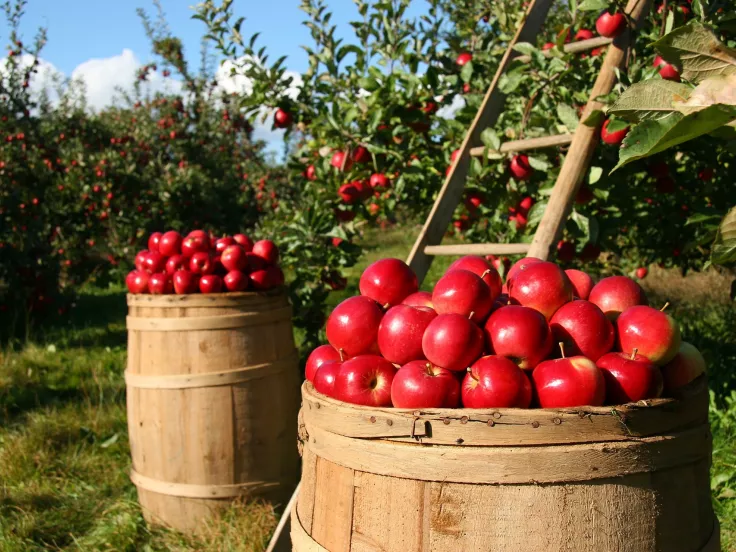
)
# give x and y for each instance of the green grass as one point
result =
(64, 453)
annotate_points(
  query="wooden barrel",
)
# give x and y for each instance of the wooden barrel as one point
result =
(213, 393)
(630, 478)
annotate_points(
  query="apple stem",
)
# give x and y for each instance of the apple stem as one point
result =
(486, 273)
(667, 304)
(562, 348)
(633, 355)
(470, 316)
(386, 306)
(428, 366)
(470, 371)
(341, 352)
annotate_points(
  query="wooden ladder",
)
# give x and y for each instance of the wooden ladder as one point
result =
(582, 144)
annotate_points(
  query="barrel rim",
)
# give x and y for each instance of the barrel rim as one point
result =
(201, 299)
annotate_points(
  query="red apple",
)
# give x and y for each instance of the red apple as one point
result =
(338, 158)
(481, 267)
(235, 280)
(565, 251)
(666, 71)
(653, 333)
(615, 294)
(160, 284)
(581, 282)
(365, 380)
(462, 292)
(388, 281)
(520, 167)
(349, 193)
(419, 299)
(310, 173)
(154, 262)
(378, 180)
(614, 138)
(137, 281)
(267, 278)
(353, 326)
(464, 58)
(153, 241)
(244, 241)
(521, 264)
(176, 262)
(642, 272)
(201, 263)
(320, 355)
(583, 328)
(140, 260)
(520, 334)
(420, 384)
(400, 333)
(452, 341)
(361, 155)
(210, 283)
(684, 367)
(234, 257)
(198, 243)
(170, 243)
(223, 243)
(255, 262)
(324, 377)
(569, 382)
(282, 119)
(610, 25)
(185, 282)
(266, 250)
(584, 34)
(629, 378)
(496, 382)
(542, 286)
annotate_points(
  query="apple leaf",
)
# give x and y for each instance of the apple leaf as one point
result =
(655, 135)
(651, 99)
(614, 125)
(536, 213)
(538, 164)
(567, 115)
(595, 174)
(724, 247)
(524, 48)
(595, 118)
(696, 50)
(490, 139)
(594, 5)
(467, 72)
(713, 90)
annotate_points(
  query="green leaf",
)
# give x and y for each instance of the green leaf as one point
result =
(510, 82)
(538, 164)
(653, 136)
(536, 213)
(699, 53)
(595, 118)
(652, 99)
(614, 125)
(524, 48)
(490, 139)
(467, 72)
(595, 174)
(594, 5)
(724, 247)
(713, 90)
(567, 115)
(368, 83)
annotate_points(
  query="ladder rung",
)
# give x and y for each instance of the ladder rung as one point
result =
(478, 249)
(528, 144)
(585, 45)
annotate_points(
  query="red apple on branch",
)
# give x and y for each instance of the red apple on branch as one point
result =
(420, 384)
(452, 341)
(353, 326)
(610, 25)
(464, 58)
(520, 167)
(496, 382)
(614, 138)
(365, 380)
(400, 333)
(583, 328)
(388, 281)
(629, 378)
(520, 334)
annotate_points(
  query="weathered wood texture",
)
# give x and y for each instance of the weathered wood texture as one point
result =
(213, 392)
(634, 478)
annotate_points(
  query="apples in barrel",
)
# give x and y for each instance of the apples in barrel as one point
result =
(556, 340)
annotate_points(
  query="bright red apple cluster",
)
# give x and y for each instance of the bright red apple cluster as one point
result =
(201, 263)
(548, 337)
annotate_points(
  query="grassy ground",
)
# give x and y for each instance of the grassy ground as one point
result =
(63, 438)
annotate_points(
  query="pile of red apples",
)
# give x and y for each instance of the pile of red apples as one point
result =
(201, 263)
(548, 338)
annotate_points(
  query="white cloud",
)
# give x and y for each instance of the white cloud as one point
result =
(448, 111)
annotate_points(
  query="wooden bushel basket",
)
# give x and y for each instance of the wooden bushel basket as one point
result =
(213, 391)
(631, 478)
